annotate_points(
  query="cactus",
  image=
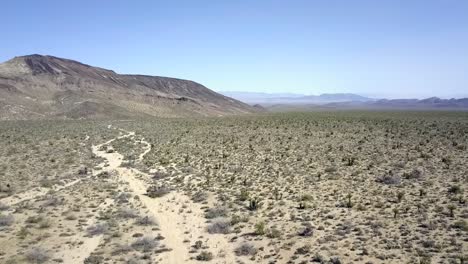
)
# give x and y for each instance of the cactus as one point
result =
(278, 195)
(349, 204)
(395, 212)
(451, 209)
(254, 204)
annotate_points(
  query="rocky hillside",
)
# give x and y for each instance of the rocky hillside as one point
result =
(43, 87)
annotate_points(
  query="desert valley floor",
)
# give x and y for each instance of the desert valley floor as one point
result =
(322, 187)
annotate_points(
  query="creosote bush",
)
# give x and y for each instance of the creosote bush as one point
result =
(245, 249)
(145, 244)
(219, 226)
(204, 256)
(37, 255)
(6, 220)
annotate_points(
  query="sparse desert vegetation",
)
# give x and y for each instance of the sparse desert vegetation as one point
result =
(323, 187)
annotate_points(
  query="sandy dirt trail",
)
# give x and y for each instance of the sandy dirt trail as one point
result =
(175, 227)
(40, 191)
(86, 245)
(173, 236)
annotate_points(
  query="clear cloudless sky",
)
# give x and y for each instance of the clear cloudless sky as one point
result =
(380, 48)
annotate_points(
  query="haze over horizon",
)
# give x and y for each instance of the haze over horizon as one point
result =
(384, 49)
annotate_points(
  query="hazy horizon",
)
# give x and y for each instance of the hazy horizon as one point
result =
(384, 49)
(462, 95)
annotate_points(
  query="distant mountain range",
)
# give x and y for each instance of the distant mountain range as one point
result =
(297, 102)
(428, 103)
(44, 87)
(290, 98)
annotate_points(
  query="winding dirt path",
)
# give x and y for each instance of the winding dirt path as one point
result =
(173, 235)
(175, 226)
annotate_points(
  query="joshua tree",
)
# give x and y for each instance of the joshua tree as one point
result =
(395, 212)
(400, 196)
(463, 259)
(422, 192)
(451, 208)
(254, 204)
(350, 161)
(447, 161)
(244, 182)
(319, 176)
(349, 204)
(461, 199)
(419, 206)
(278, 195)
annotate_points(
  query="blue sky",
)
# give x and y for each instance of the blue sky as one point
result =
(379, 48)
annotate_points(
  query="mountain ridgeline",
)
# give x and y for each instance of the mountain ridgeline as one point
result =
(298, 102)
(47, 87)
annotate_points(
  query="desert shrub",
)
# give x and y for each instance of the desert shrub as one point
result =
(145, 244)
(34, 219)
(94, 259)
(122, 197)
(160, 175)
(244, 195)
(199, 197)
(127, 213)
(23, 233)
(245, 249)
(318, 258)
(306, 231)
(97, 229)
(37, 255)
(428, 243)
(461, 224)
(198, 244)
(260, 228)
(52, 201)
(45, 223)
(205, 256)
(219, 226)
(303, 250)
(83, 171)
(389, 179)
(3, 207)
(103, 174)
(335, 260)
(146, 221)
(70, 217)
(157, 191)
(306, 198)
(455, 189)
(415, 174)
(6, 220)
(121, 249)
(215, 212)
(273, 233)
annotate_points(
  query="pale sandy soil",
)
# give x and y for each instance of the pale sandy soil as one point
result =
(174, 225)
(229, 166)
(87, 245)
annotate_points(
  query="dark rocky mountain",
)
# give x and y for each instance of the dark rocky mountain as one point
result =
(37, 86)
